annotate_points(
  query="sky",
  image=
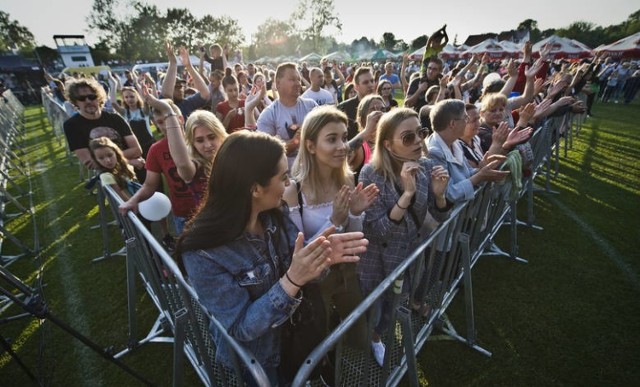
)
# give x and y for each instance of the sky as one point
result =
(406, 19)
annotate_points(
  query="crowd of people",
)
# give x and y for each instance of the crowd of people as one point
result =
(314, 183)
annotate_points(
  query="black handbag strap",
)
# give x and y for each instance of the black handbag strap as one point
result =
(299, 190)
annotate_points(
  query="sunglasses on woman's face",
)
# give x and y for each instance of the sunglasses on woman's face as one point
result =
(409, 138)
(82, 98)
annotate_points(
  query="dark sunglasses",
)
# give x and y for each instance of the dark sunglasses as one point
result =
(410, 138)
(82, 98)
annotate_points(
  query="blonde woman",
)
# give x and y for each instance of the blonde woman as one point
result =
(188, 162)
(323, 195)
(411, 186)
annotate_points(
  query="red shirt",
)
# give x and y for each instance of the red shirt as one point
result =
(237, 121)
(184, 197)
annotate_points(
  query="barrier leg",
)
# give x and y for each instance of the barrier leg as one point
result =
(404, 316)
(178, 347)
(444, 324)
(530, 215)
(513, 230)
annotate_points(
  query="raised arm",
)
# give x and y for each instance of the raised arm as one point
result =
(169, 82)
(251, 113)
(201, 64)
(479, 73)
(225, 53)
(114, 85)
(512, 70)
(527, 95)
(336, 68)
(177, 146)
(444, 81)
(198, 82)
(466, 67)
(403, 68)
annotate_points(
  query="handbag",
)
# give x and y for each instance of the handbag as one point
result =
(302, 333)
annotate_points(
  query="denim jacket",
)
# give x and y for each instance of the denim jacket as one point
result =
(460, 187)
(239, 285)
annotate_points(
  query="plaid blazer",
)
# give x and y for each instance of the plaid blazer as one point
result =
(391, 242)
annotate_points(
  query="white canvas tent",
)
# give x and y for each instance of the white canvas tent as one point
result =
(628, 47)
(562, 48)
(491, 47)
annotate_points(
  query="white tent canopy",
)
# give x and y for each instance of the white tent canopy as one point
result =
(451, 52)
(562, 48)
(491, 47)
(625, 47)
(514, 48)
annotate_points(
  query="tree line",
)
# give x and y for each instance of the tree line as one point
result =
(133, 30)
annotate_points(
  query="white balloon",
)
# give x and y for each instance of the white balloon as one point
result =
(156, 207)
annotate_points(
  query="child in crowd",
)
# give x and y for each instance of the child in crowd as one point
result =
(115, 171)
(231, 112)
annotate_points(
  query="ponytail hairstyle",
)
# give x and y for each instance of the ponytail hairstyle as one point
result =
(229, 78)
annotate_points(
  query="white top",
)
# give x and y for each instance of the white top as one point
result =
(322, 96)
(315, 219)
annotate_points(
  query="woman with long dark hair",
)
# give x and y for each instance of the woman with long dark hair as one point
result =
(245, 257)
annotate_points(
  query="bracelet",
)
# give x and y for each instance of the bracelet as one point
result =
(399, 206)
(286, 274)
(172, 114)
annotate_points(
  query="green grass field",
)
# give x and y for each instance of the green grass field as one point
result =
(571, 316)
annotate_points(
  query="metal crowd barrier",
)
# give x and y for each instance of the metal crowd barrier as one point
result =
(448, 254)
(182, 315)
(15, 183)
(57, 116)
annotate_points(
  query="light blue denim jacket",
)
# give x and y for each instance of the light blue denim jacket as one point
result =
(239, 285)
(460, 187)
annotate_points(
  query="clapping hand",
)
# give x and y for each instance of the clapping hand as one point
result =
(517, 136)
(362, 198)
(308, 262)
(341, 205)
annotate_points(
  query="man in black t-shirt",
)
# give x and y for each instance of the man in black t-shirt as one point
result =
(92, 122)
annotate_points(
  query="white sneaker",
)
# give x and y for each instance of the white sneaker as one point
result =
(378, 351)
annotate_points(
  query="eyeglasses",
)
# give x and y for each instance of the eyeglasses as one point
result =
(409, 138)
(82, 98)
(386, 88)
